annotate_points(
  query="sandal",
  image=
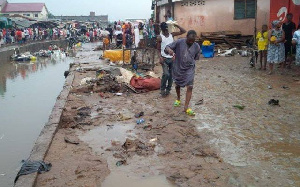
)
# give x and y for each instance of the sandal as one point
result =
(190, 112)
(177, 103)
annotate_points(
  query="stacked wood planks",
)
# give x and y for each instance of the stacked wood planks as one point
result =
(226, 39)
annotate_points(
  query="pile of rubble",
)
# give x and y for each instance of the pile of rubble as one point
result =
(225, 40)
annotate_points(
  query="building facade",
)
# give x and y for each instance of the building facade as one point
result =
(102, 19)
(224, 15)
(30, 10)
(216, 15)
(2, 4)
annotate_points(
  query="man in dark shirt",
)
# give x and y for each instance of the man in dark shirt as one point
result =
(13, 35)
(289, 27)
(110, 30)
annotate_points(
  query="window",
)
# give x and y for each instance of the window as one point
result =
(36, 15)
(244, 9)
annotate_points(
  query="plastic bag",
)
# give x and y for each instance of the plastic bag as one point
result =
(29, 167)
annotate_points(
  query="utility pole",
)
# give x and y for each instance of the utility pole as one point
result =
(255, 22)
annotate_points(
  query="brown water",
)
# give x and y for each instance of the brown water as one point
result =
(28, 92)
(140, 171)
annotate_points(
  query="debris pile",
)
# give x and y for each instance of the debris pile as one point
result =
(225, 40)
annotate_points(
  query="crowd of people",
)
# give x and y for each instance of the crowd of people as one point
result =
(24, 35)
(279, 44)
(131, 35)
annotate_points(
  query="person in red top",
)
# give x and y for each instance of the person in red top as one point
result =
(19, 36)
(4, 35)
(30, 33)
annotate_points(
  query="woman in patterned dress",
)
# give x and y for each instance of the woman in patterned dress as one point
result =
(296, 41)
(276, 50)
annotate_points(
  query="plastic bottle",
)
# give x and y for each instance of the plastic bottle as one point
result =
(140, 121)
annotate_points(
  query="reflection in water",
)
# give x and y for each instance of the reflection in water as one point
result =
(13, 70)
(28, 93)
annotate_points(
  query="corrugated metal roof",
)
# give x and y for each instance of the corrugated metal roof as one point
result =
(23, 7)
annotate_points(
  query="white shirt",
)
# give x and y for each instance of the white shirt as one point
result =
(164, 42)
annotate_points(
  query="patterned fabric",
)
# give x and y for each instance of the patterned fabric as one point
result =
(275, 23)
(276, 52)
(296, 37)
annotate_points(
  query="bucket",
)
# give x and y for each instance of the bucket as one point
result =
(208, 51)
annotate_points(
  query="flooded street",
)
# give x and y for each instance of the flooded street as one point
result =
(28, 93)
(220, 146)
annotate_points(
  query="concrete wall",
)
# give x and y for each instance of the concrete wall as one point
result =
(101, 18)
(218, 15)
(6, 52)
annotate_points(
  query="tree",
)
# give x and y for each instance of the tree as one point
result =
(50, 15)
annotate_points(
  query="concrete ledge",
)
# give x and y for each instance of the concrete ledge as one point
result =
(44, 140)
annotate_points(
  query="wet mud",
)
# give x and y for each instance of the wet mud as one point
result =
(221, 146)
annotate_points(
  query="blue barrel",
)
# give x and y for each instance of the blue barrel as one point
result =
(208, 51)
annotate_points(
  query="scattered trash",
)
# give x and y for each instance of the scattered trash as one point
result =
(66, 74)
(140, 121)
(101, 95)
(227, 53)
(200, 102)
(131, 88)
(129, 145)
(86, 80)
(273, 102)
(2, 136)
(121, 162)
(119, 94)
(68, 140)
(139, 115)
(269, 87)
(153, 140)
(29, 167)
(148, 128)
(43, 53)
(145, 84)
(183, 119)
(125, 115)
(285, 87)
(241, 107)
(79, 69)
(3, 174)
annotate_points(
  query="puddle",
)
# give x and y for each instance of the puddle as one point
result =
(101, 138)
(139, 171)
(118, 179)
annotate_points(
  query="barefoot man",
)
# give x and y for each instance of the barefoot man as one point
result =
(186, 52)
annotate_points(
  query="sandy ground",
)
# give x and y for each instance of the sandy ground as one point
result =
(100, 144)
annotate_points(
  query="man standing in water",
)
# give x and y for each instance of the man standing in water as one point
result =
(186, 52)
(164, 39)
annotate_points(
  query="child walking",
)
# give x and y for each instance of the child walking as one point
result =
(296, 41)
(262, 43)
(276, 50)
(106, 41)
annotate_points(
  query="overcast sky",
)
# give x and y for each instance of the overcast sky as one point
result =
(116, 9)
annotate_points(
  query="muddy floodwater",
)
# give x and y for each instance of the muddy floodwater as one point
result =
(28, 92)
(255, 144)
